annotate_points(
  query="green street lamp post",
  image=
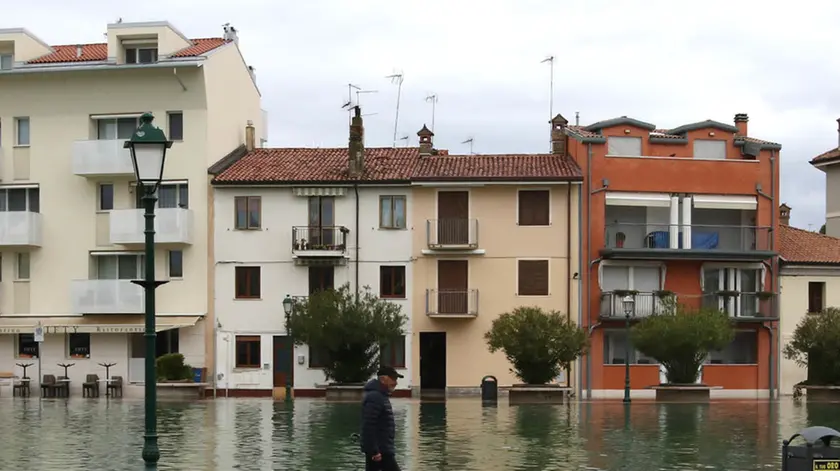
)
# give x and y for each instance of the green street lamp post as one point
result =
(628, 304)
(288, 308)
(148, 147)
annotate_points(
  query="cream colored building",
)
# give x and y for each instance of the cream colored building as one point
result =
(809, 282)
(492, 232)
(70, 231)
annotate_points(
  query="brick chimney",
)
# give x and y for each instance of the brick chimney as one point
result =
(356, 147)
(250, 136)
(741, 120)
(838, 133)
(559, 139)
(426, 144)
(784, 214)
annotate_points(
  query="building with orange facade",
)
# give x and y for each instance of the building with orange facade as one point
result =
(690, 211)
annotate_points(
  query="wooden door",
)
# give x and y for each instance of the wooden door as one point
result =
(452, 287)
(284, 365)
(453, 217)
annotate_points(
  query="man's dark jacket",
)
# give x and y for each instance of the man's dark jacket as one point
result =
(378, 428)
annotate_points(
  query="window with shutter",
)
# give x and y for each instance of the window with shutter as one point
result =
(534, 207)
(533, 278)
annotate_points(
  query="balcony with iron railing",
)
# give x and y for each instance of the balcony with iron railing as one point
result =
(319, 241)
(745, 306)
(452, 234)
(448, 303)
(690, 241)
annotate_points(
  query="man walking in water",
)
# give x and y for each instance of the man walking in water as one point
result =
(378, 428)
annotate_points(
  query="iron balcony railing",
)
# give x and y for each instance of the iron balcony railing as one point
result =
(738, 305)
(319, 239)
(452, 233)
(645, 304)
(638, 236)
(443, 302)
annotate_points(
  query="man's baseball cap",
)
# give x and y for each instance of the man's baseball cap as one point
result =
(389, 372)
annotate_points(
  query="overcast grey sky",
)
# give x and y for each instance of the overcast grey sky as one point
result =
(652, 60)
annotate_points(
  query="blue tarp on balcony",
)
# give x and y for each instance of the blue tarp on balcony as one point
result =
(699, 240)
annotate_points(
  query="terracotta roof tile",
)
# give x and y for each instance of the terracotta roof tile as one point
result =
(512, 167)
(319, 165)
(99, 52)
(801, 246)
(826, 156)
(580, 131)
(285, 165)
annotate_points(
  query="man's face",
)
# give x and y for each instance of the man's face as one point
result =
(390, 382)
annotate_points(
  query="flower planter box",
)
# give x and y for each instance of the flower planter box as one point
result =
(345, 392)
(180, 391)
(538, 394)
(815, 393)
(683, 392)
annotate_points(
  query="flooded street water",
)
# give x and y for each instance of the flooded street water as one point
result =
(256, 434)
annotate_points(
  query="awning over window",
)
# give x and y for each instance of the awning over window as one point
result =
(655, 200)
(725, 202)
(93, 324)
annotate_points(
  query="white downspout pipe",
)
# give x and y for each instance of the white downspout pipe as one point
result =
(686, 222)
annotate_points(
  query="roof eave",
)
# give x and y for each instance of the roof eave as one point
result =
(496, 179)
(99, 65)
(703, 125)
(586, 139)
(763, 145)
(284, 183)
(624, 120)
(823, 163)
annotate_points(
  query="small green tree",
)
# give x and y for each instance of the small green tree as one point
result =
(537, 344)
(681, 340)
(348, 330)
(815, 345)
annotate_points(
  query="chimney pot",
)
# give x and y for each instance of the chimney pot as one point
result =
(784, 214)
(426, 145)
(79, 50)
(559, 139)
(356, 146)
(250, 136)
(741, 120)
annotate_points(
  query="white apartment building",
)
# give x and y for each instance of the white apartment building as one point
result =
(290, 222)
(70, 228)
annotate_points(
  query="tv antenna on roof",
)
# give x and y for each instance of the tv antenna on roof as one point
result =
(432, 98)
(359, 95)
(397, 78)
(348, 105)
(469, 141)
(405, 138)
(550, 60)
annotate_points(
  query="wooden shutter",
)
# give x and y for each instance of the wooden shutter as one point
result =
(533, 278)
(534, 207)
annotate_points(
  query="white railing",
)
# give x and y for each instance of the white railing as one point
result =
(20, 228)
(172, 226)
(106, 297)
(101, 157)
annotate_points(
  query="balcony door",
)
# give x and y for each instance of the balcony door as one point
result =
(321, 220)
(643, 278)
(453, 282)
(746, 281)
(453, 217)
(115, 129)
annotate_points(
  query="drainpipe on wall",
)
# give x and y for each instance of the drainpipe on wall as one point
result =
(585, 279)
(775, 274)
(356, 263)
(580, 279)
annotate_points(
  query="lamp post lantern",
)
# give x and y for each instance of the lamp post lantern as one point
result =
(148, 147)
(288, 308)
(629, 303)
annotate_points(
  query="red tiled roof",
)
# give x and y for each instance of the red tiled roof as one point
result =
(497, 167)
(826, 156)
(318, 165)
(286, 165)
(99, 52)
(801, 246)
